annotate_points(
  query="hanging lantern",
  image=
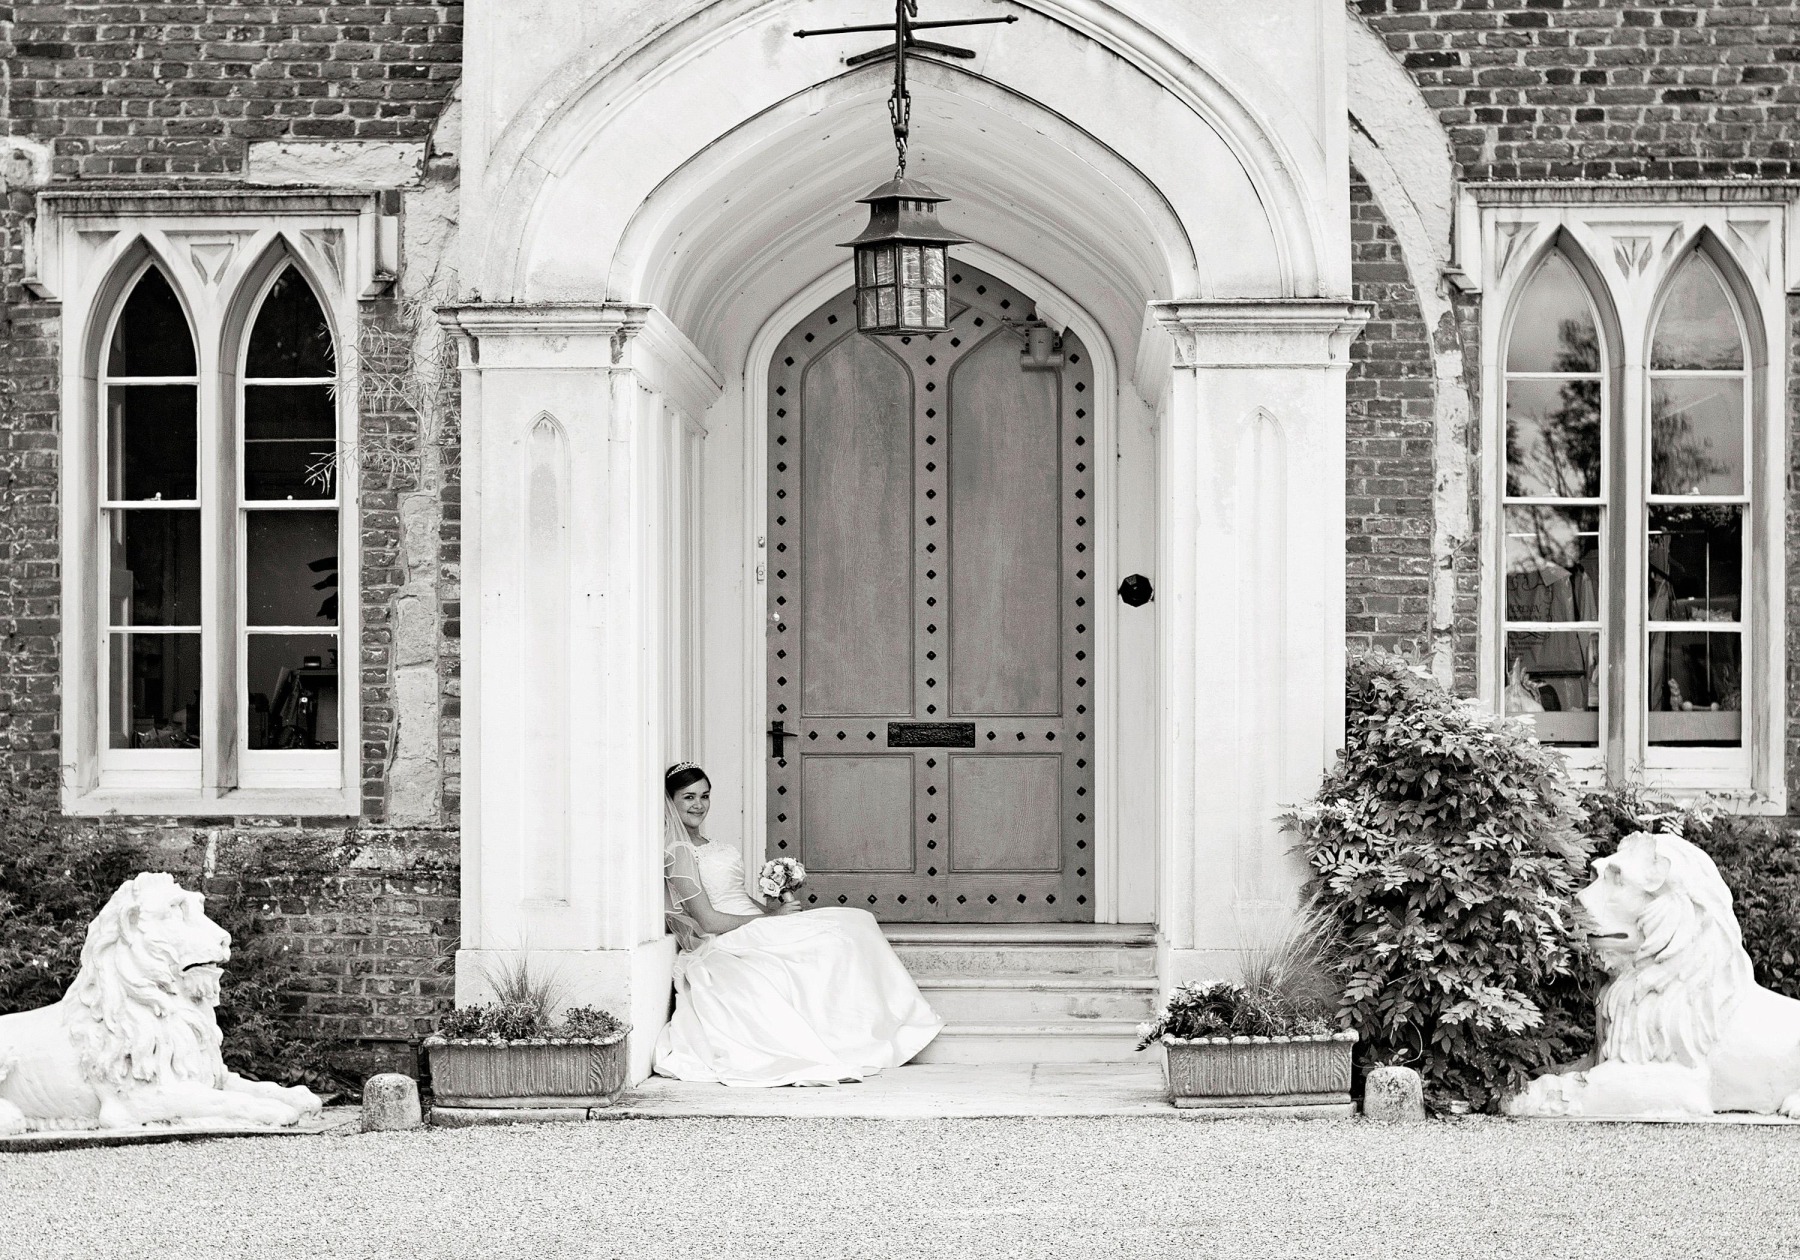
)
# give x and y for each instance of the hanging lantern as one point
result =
(901, 261)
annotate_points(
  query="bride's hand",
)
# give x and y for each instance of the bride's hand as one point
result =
(786, 907)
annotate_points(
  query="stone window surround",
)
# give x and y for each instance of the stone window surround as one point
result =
(85, 247)
(1628, 237)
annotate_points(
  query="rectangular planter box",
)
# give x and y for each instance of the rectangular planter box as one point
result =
(1261, 1075)
(537, 1074)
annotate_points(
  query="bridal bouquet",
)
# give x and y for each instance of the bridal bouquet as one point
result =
(780, 877)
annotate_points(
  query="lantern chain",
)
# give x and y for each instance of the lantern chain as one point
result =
(900, 100)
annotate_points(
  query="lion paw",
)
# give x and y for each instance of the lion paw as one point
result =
(1790, 1106)
(12, 1120)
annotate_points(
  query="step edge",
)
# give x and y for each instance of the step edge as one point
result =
(1108, 934)
(1038, 981)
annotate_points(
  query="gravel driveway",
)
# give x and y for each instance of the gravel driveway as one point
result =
(959, 1188)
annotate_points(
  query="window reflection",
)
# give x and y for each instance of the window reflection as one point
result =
(1553, 329)
(1553, 439)
(1696, 688)
(154, 681)
(1553, 677)
(1697, 436)
(1696, 560)
(1697, 328)
(292, 680)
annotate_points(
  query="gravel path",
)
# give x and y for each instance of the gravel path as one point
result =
(959, 1188)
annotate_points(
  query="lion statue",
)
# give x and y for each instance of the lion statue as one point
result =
(134, 1041)
(1683, 1028)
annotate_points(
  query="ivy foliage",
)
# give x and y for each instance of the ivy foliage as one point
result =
(1446, 844)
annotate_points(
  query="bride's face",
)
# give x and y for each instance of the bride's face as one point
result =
(692, 803)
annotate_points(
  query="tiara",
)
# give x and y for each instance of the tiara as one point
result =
(678, 767)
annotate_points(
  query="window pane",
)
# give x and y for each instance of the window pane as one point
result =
(291, 568)
(151, 337)
(290, 436)
(1552, 564)
(1553, 329)
(1696, 563)
(934, 265)
(292, 682)
(154, 685)
(152, 447)
(1697, 435)
(1696, 694)
(1555, 677)
(155, 578)
(291, 337)
(1697, 328)
(1553, 439)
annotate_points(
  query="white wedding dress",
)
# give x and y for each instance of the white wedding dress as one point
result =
(812, 998)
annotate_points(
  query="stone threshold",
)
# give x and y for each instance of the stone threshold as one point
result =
(333, 1120)
(926, 1091)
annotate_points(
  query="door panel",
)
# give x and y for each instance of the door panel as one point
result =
(1005, 535)
(1006, 813)
(856, 482)
(930, 588)
(856, 813)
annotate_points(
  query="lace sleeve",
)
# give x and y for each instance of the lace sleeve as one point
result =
(681, 883)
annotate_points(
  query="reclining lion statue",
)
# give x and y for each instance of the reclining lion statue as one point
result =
(1683, 1028)
(134, 1040)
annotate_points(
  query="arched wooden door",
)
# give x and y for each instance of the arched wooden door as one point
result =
(931, 590)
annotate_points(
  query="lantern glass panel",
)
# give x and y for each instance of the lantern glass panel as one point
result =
(934, 267)
(911, 270)
(865, 267)
(934, 309)
(868, 314)
(884, 306)
(912, 307)
(884, 264)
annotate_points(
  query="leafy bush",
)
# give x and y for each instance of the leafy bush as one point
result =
(1759, 859)
(1445, 844)
(1289, 989)
(523, 1021)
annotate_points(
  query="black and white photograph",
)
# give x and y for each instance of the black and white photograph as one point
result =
(899, 628)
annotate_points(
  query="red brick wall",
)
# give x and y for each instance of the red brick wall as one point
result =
(1599, 89)
(1390, 446)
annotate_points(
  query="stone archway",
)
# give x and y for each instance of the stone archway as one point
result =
(635, 242)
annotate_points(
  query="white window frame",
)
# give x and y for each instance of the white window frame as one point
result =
(221, 254)
(1626, 241)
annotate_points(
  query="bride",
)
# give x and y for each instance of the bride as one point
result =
(771, 995)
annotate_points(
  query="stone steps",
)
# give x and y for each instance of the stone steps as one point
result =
(1032, 993)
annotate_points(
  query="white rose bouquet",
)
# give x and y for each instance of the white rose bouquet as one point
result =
(780, 878)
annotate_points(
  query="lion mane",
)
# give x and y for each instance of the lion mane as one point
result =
(137, 1017)
(1669, 1001)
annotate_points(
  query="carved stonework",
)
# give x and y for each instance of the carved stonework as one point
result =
(1262, 332)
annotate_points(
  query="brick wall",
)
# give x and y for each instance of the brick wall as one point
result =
(1598, 89)
(171, 95)
(1390, 446)
(179, 90)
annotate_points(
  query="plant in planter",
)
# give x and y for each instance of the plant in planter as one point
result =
(1269, 1044)
(513, 1054)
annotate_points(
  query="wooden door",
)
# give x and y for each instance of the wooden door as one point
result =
(931, 589)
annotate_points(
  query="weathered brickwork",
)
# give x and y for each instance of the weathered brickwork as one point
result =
(179, 90)
(171, 96)
(1390, 446)
(1793, 555)
(1598, 89)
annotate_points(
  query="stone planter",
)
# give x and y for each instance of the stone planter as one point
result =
(543, 1072)
(1296, 1076)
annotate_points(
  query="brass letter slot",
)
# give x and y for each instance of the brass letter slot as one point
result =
(931, 735)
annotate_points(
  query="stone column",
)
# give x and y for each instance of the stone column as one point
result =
(571, 415)
(1250, 609)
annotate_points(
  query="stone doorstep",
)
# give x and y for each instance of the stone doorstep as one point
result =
(930, 1091)
(335, 1120)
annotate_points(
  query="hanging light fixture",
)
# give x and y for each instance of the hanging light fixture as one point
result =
(903, 256)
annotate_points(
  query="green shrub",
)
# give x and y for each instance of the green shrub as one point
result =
(1446, 844)
(1759, 859)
